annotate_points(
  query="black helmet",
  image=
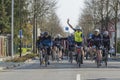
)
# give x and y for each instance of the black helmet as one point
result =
(45, 33)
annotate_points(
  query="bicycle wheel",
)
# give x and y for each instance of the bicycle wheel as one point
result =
(71, 57)
(46, 60)
(106, 59)
(98, 65)
(79, 60)
(40, 57)
(98, 61)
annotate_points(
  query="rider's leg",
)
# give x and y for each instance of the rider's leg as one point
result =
(48, 53)
(91, 53)
(99, 55)
(82, 52)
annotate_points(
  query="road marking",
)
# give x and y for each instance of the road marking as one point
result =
(78, 77)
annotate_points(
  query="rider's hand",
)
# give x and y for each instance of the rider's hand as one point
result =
(68, 20)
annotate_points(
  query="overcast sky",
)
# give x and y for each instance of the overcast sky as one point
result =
(69, 9)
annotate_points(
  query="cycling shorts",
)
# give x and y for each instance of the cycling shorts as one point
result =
(79, 43)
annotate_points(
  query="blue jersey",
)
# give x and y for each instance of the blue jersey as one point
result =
(47, 41)
(71, 40)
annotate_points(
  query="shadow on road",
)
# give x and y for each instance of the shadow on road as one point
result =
(67, 65)
(104, 79)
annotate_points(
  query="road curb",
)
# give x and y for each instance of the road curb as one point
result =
(15, 65)
(2, 68)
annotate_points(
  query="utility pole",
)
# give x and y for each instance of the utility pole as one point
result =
(116, 19)
(107, 19)
(34, 28)
(12, 30)
(36, 20)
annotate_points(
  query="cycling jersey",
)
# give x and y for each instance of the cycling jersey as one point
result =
(57, 41)
(106, 42)
(39, 42)
(71, 40)
(97, 40)
(47, 41)
(78, 36)
(89, 43)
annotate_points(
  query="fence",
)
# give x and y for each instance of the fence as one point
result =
(5, 46)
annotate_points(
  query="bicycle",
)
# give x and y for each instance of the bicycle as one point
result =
(97, 55)
(79, 56)
(41, 57)
(46, 56)
(71, 57)
(105, 56)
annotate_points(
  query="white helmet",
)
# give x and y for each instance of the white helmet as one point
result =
(97, 30)
(78, 27)
(106, 33)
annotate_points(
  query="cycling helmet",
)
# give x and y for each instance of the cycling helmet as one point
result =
(97, 30)
(78, 28)
(58, 35)
(45, 33)
(42, 33)
(106, 33)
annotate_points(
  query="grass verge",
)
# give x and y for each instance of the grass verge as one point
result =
(23, 58)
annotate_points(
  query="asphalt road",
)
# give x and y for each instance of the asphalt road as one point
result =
(63, 71)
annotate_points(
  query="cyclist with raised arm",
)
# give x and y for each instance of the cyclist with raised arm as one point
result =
(97, 42)
(78, 37)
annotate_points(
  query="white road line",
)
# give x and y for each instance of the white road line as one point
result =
(78, 77)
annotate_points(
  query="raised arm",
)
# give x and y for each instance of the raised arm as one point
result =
(69, 24)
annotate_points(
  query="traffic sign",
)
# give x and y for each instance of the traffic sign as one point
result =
(67, 28)
(20, 33)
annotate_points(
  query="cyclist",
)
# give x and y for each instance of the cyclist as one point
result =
(71, 45)
(39, 42)
(47, 43)
(78, 37)
(97, 42)
(106, 41)
(89, 46)
(71, 41)
(57, 43)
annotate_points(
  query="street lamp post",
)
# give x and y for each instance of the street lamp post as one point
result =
(12, 30)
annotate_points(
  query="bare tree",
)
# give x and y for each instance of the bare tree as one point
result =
(39, 9)
(101, 12)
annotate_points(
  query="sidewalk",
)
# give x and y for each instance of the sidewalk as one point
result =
(10, 65)
(117, 57)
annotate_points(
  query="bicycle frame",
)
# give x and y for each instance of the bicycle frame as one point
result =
(46, 56)
(79, 57)
(105, 58)
(98, 56)
(41, 54)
